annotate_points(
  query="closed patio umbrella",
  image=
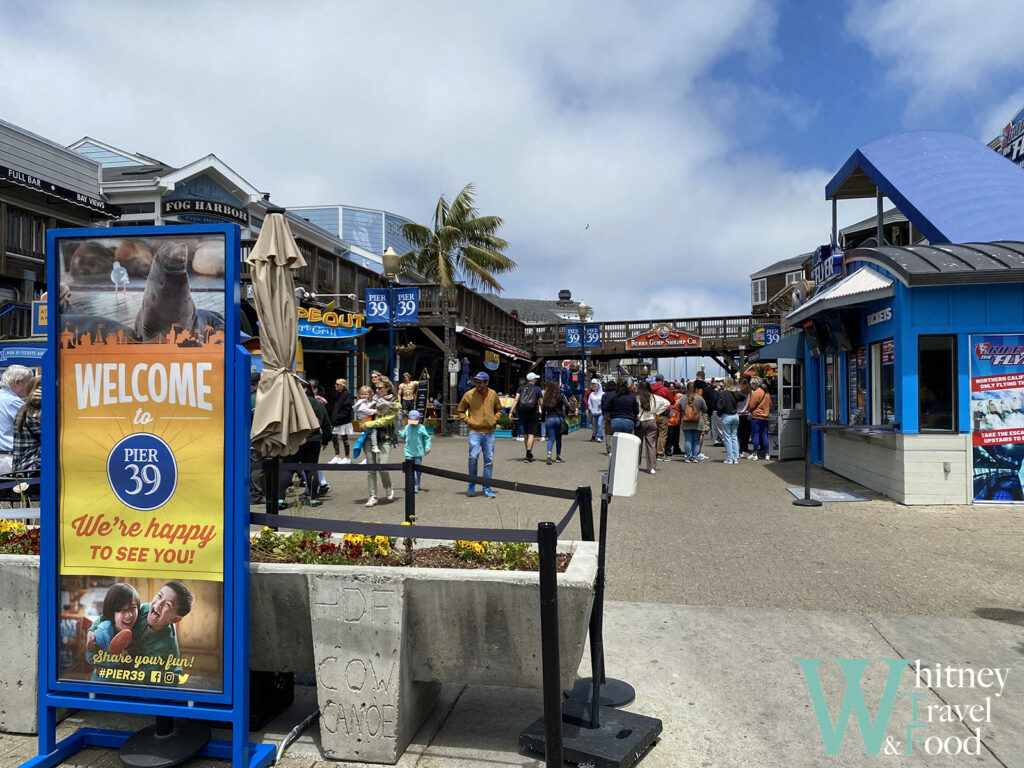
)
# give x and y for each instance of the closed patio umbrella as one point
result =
(283, 416)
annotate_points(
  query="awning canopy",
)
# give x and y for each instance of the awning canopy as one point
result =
(963, 264)
(863, 285)
(791, 346)
(952, 188)
(498, 346)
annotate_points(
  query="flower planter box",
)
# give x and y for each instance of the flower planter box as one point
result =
(503, 433)
(380, 640)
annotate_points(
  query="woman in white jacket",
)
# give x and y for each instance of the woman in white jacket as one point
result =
(647, 425)
(594, 409)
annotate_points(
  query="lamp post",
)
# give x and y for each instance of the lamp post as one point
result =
(582, 310)
(390, 261)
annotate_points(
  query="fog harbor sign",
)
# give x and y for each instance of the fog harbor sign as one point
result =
(196, 210)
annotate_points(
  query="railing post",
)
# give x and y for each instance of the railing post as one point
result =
(408, 467)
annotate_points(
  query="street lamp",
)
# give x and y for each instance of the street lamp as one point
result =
(582, 310)
(390, 261)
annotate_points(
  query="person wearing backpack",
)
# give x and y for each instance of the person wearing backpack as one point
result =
(674, 417)
(526, 407)
(728, 400)
(760, 407)
(692, 408)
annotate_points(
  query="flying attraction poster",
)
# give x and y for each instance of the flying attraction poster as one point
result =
(997, 417)
(141, 349)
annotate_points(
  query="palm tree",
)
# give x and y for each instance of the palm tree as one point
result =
(461, 244)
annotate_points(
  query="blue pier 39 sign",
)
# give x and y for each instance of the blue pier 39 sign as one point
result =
(407, 305)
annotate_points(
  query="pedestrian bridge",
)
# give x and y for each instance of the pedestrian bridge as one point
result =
(720, 338)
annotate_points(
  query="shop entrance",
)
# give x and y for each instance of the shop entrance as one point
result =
(792, 410)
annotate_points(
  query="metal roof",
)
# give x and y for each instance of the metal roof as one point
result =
(952, 188)
(892, 216)
(779, 267)
(963, 264)
(863, 285)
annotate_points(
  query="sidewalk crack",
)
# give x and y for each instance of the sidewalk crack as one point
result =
(441, 720)
(902, 655)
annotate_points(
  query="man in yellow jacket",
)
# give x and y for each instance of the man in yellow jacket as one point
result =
(480, 409)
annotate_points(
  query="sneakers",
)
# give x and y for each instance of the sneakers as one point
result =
(372, 501)
(559, 460)
(753, 457)
(415, 489)
(520, 439)
(743, 455)
(346, 460)
(375, 449)
(325, 489)
(702, 457)
(391, 493)
(471, 491)
(315, 503)
(549, 458)
(600, 439)
(488, 492)
(529, 455)
(650, 471)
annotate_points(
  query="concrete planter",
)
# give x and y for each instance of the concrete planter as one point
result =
(380, 640)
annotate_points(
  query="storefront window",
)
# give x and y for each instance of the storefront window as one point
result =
(857, 383)
(883, 383)
(936, 383)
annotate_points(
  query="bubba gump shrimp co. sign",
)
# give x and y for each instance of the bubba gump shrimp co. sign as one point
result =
(664, 337)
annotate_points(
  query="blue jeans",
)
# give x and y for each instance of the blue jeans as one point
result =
(759, 435)
(691, 444)
(622, 425)
(553, 427)
(596, 426)
(416, 460)
(481, 441)
(730, 435)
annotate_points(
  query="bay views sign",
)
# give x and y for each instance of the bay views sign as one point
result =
(190, 207)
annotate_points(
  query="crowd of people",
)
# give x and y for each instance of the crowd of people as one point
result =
(21, 395)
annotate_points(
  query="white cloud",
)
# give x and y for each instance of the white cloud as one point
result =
(939, 49)
(562, 114)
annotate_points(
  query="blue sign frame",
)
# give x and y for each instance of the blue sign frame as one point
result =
(232, 704)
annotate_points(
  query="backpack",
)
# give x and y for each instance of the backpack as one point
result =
(690, 412)
(674, 415)
(528, 398)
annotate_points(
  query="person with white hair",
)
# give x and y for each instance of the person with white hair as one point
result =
(13, 385)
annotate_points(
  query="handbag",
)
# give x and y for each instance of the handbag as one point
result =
(565, 426)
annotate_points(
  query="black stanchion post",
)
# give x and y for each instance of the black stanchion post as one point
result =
(807, 501)
(547, 540)
(408, 467)
(271, 484)
(585, 497)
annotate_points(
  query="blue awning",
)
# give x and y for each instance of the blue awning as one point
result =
(952, 188)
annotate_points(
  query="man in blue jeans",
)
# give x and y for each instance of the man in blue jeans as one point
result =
(480, 408)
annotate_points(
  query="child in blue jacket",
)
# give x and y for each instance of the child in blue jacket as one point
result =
(417, 441)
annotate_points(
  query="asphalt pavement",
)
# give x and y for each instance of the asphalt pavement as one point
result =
(716, 585)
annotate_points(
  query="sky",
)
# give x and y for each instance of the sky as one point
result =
(647, 156)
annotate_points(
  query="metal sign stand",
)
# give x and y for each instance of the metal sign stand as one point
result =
(181, 729)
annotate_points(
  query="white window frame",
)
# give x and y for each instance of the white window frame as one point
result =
(794, 277)
(759, 288)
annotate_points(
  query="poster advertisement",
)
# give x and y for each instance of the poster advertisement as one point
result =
(997, 417)
(141, 365)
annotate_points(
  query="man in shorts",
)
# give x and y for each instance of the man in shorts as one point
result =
(526, 406)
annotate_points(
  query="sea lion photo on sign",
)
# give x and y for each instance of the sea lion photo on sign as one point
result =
(135, 257)
(90, 259)
(167, 300)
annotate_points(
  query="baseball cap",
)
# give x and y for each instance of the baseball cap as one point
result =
(482, 376)
(531, 376)
(413, 416)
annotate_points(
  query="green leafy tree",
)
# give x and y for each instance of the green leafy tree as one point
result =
(461, 244)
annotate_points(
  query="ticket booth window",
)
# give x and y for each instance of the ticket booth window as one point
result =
(831, 388)
(883, 383)
(936, 383)
(857, 381)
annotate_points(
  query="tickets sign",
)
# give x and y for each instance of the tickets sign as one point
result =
(141, 366)
(664, 337)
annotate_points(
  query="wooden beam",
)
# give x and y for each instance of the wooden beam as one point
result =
(433, 337)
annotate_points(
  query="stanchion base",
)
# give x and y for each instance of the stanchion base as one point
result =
(614, 693)
(620, 741)
(806, 503)
(149, 749)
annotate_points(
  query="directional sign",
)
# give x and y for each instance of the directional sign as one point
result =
(592, 337)
(407, 305)
(572, 336)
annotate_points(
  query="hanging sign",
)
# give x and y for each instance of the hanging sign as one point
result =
(491, 360)
(141, 464)
(765, 334)
(664, 337)
(314, 323)
(592, 335)
(997, 416)
(407, 305)
(572, 336)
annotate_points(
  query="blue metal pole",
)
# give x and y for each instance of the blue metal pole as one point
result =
(391, 329)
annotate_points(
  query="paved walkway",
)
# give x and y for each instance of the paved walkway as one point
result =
(716, 584)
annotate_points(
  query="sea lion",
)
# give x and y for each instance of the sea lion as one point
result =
(167, 300)
(134, 257)
(209, 259)
(90, 259)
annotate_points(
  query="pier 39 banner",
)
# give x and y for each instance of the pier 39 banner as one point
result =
(141, 460)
